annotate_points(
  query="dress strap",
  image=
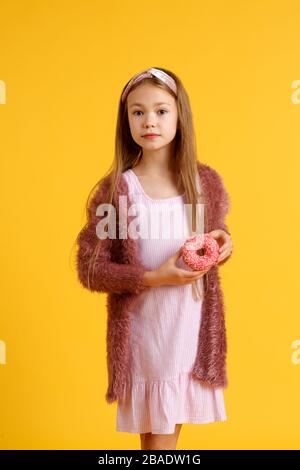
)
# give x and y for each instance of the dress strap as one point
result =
(134, 181)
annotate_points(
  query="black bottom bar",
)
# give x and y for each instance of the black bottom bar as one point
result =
(134, 458)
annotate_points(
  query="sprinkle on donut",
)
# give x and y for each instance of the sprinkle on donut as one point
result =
(205, 243)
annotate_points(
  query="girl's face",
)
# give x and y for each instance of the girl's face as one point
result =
(146, 115)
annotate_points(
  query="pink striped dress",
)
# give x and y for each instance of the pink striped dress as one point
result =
(159, 393)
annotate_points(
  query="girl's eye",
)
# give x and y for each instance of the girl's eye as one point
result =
(141, 111)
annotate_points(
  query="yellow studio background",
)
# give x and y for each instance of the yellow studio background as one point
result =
(63, 65)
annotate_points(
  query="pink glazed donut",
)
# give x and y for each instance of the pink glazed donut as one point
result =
(193, 245)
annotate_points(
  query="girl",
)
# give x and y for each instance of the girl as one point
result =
(166, 341)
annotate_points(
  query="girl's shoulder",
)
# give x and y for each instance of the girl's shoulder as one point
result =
(211, 176)
(214, 185)
(206, 170)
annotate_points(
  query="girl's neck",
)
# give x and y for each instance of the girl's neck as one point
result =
(154, 167)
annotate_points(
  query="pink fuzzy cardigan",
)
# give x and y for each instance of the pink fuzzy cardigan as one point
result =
(119, 273)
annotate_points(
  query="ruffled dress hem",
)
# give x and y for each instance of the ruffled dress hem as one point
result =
(156, 406)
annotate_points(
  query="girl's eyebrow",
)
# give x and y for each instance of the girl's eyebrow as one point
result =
(140, 104)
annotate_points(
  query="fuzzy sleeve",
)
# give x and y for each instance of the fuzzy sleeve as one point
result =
(223, 206)
(99, 273)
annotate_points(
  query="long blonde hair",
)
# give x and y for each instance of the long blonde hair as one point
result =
(128, 153)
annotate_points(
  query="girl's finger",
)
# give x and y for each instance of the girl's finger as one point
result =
(223, 256)
(192, 274)
(189, 274)
(200, 273)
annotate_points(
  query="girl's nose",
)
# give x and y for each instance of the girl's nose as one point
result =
(149, 124)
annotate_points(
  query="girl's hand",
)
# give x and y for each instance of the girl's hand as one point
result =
(224, 241)
(169, 274)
